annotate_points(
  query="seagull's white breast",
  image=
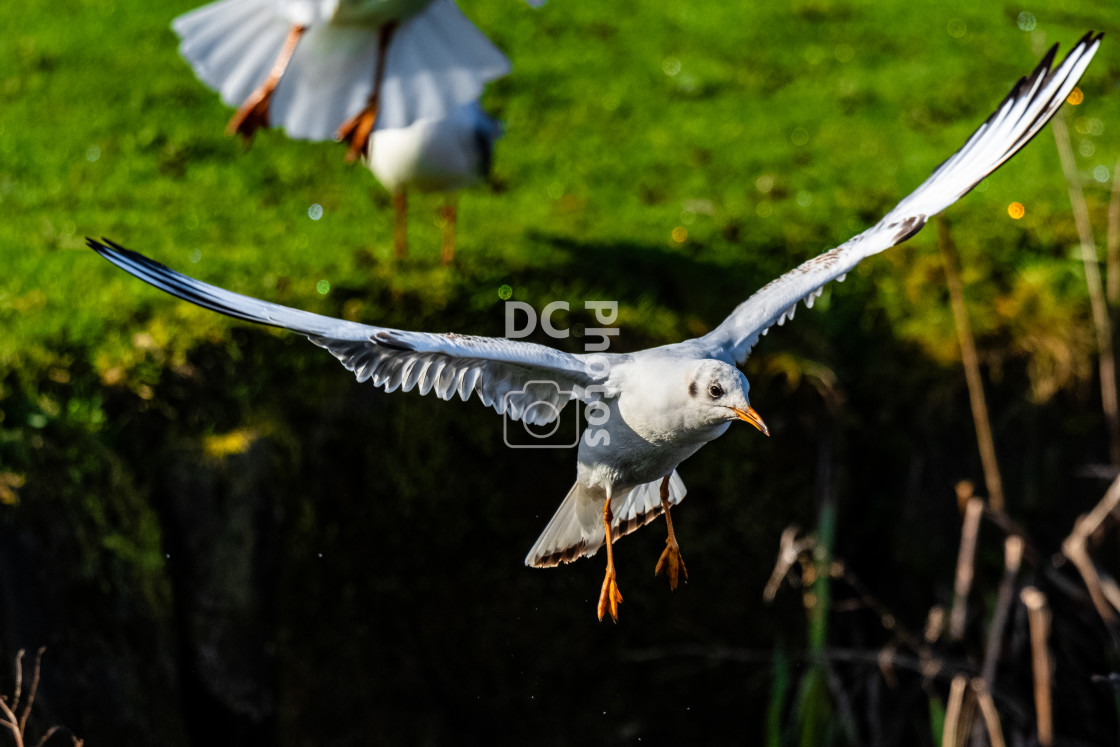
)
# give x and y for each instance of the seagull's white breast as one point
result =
(431, 154)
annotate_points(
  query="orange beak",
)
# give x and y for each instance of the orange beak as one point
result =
(753, 418)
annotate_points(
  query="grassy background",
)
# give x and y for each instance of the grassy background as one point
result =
(211, 524)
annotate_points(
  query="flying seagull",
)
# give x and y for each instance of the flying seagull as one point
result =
(433, 155)
(657, 406)
(326, 69)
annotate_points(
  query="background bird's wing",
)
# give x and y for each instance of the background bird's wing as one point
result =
(1029, 106)
(437, 61)
(522, 380)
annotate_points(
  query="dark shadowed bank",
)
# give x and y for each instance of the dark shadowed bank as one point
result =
(260, 550)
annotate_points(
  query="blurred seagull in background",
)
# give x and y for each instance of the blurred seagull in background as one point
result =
(656, 407)
(335, 69)
(433, 155)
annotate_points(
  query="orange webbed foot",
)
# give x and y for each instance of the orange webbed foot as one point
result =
(610, 597)
(671, 563)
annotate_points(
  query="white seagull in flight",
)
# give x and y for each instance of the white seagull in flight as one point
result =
(661, 404)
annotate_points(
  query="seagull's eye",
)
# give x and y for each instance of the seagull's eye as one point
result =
(716, 391)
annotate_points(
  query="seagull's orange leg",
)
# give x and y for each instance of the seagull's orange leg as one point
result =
(610, 595)
(356, 130)
(253, 113)
(400, 224)
(450, 215)
(671, 561)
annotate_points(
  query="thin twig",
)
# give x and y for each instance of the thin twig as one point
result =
(954, 712)
(1039, 620)
(988, 711)
(12, 723)
(15, 732)
(1012, 558)
(1090, 522)
(971, 362)
(1112, 240)
(1102, 325)
(19, 680)
(970, 527)
(32, 690)
(789, 551)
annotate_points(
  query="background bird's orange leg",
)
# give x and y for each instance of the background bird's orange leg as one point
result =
(670, 560)
(400, 224)
(253, 113)
(450, 215)
(356, 130)
(610, 595)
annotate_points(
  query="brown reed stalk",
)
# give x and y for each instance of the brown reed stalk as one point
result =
(1012, 558)
(1075, 547)
(970, 527)
(971, 363)
(958, 713)
(1112, 241)
(1102, 325)
(1038, 617)
(988, 711)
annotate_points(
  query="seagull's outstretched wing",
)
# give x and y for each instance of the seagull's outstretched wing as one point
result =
(1029, 106)
(522, 380)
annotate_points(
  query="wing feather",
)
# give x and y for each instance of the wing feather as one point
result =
(1019, 117)
(524, 380)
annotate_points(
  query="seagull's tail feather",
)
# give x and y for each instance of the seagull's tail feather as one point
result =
(576, 529)
(232, 44)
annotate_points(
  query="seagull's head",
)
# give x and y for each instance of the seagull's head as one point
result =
(719, 392)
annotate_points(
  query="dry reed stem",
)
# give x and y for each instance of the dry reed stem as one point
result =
(971, 362)
(789, 551)
(1074, 548)
(1038, 616)
(956, 717)
(1012, 559)
(32, 690)
(1112, 241)
(1090, 522)
(1110, 590)
(988, 711)
(1101, 323)
(970, 527)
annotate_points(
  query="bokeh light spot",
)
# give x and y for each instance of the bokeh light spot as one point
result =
(1075, 97)
(315, 212)
(680, 234)
(1100, 173)
(799, 136)
(764, 183)
(93, 152)
(505, 293)
(1016, 210)
(957, 28)
(1027, 21)
(671, 66)
(323, 286)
